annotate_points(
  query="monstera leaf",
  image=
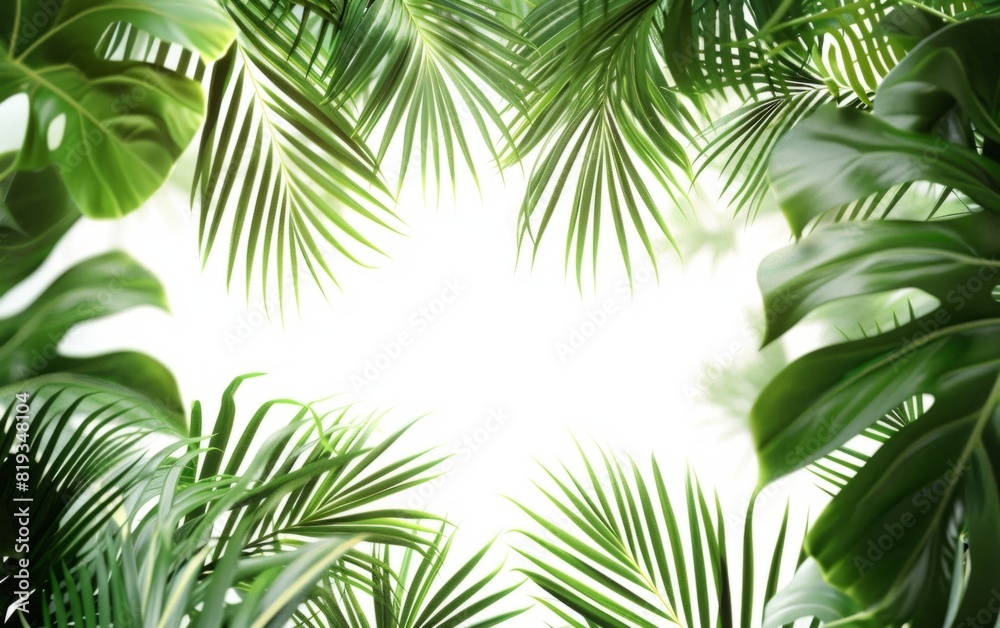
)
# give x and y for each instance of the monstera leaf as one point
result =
(36, 211)
(914, 535)
(926, 114)
(113, 129)
(95, 288)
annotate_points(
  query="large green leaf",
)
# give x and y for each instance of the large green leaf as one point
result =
(93, 289)
(922, 129)
(892, 535)
(123, 124)
(36, 212)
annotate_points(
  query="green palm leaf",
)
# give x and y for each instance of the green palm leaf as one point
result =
(408, 588)
(268, 518)
(83, 450)
(283, 172)
(422, 73)
(605, 121)
(623, 553)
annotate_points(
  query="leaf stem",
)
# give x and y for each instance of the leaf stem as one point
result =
(932, 11)
(16, 31)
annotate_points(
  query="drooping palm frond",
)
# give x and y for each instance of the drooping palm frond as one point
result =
(424, 73)
(284, 163)
(619, 555)
(609, 130)
(409, 588)
(281, 171)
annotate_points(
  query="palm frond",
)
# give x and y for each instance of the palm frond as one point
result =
(80, 451)
(294, 184)
(409, 587)
(268, 518)
(740, 143)
(623, 553)
(605, 121)
(423, 73)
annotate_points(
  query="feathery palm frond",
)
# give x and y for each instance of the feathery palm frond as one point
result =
(288, 173)
(407, 587)
(601, 111)
(268, 518)
(739, 144)
(79, 450)
(423, 72)
(621, 556)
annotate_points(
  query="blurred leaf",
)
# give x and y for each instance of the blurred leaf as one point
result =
(96, 288)
(36, 212)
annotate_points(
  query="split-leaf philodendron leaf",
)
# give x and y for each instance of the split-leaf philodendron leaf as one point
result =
(35, 212)
(911, 538)
(113, 129)
(888, 536)
(920, 130)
